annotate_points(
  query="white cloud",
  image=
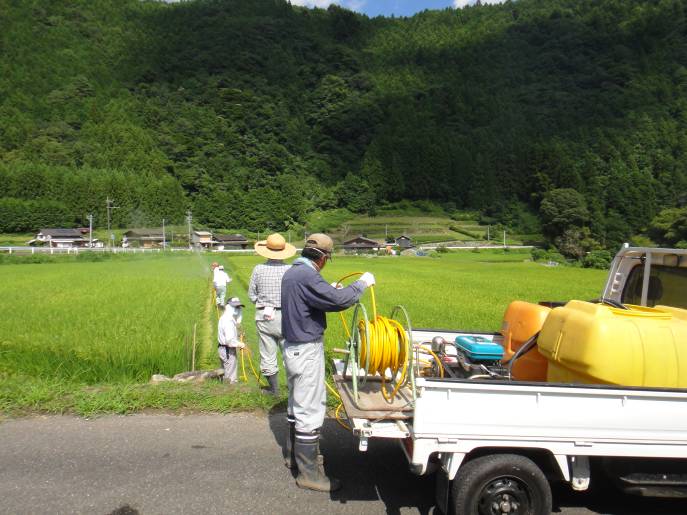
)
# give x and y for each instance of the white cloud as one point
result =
(314, 3)
(353, 5)
(459, 4)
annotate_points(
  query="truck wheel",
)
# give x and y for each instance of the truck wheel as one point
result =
(501, 484)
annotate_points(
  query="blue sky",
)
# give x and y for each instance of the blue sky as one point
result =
(389, 7)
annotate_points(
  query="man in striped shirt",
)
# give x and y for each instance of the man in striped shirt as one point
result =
(264, 290)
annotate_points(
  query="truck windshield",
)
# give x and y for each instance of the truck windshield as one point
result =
(667, 286)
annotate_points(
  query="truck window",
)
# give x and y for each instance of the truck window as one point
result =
(667, 286)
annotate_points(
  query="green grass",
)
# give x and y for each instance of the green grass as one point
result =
(109, 321)
(15, 240)
(84, 337)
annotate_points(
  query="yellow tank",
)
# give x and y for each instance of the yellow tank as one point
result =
(678, 313)
(521, 321)
(598, 344)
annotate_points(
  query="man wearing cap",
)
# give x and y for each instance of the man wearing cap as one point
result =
(306, 297)
(264, 290)
(228, 338)
(220, 280)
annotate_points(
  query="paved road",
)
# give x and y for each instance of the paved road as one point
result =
(150, 464)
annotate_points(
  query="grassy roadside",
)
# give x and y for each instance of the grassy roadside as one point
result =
(22, 396)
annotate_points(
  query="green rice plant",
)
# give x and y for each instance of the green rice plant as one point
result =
(101, 322)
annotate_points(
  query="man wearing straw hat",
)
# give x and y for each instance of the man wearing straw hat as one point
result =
(264, 290)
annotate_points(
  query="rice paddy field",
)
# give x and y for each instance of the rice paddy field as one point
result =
(85, 337)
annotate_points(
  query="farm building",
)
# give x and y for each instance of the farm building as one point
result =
(60, 238)
(404, 242)
(235, 241)
(143, 238)
(202, 239)
(361, 244)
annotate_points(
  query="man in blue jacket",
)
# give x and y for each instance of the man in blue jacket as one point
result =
(305, 298)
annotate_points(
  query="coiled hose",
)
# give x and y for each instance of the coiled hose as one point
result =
(383, 345)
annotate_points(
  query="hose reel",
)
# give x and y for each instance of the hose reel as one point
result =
(379, 346)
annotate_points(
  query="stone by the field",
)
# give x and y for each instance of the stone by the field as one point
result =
(214, 374)
(187, 376)
(198, 376)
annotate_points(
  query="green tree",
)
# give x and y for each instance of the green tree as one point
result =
(562, 209)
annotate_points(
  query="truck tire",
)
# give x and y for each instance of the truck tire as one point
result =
(501, 484)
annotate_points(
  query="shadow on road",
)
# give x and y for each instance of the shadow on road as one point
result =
(381, 473)
(604, 498)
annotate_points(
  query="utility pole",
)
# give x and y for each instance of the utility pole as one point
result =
(488, 237)
(189, 219)
(386, 232)
(504, 238)
(164, 240)
(90, 230)
(109, 207)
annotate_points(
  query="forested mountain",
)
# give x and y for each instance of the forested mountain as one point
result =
(254, 113)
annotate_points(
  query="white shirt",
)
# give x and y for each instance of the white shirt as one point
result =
(227, 334)
(220, 278)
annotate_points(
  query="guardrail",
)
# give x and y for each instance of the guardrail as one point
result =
(24, 250)
(73, 250)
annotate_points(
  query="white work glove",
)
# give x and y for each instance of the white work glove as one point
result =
(240, 345)
(368, 279)
(336, 285)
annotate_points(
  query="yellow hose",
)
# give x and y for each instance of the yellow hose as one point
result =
(252, 366)
(436, 358)
(338, 408)
(388, 346)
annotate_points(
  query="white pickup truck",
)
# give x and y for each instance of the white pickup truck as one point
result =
(495, 445)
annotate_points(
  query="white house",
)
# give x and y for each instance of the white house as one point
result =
(60, 238)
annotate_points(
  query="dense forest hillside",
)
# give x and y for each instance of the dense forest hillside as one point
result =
(565, 116)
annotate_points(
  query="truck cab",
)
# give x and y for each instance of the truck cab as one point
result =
(648, 277)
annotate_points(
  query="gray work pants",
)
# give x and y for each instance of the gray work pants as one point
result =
(271, 341)
(304, 363)
(221, 293)
(227, 356)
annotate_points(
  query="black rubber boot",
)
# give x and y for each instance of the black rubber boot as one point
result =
(289, 458)
(273, 380)
(311, 465)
